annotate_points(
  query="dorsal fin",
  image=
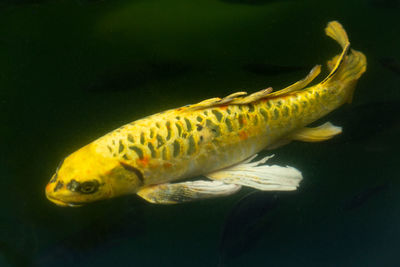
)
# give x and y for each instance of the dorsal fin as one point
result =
(241, 98)
(235, 98)
(300, 84)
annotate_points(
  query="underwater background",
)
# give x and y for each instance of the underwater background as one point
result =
(73, 70)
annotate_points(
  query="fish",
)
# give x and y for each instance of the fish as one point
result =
(160, 157)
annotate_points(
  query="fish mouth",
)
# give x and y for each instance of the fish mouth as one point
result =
(61, 203)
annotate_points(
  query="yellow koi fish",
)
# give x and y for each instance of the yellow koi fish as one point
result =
(216, 138)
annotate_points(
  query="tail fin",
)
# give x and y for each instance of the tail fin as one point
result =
(346, 68)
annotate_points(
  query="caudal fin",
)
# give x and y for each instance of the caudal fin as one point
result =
(346, 68)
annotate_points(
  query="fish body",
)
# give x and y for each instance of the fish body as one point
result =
(146, 155)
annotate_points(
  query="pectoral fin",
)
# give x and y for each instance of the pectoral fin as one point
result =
(186, 191)
(263, 177)
(321, 133)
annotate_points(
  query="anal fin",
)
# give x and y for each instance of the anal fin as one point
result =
(317, 134)
(186, 191)
(262, 177)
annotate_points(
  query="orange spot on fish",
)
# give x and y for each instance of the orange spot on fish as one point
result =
(243, 135)
(167, 165)
(143, 161)
(224, 107)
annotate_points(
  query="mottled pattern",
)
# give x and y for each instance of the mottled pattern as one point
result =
(180, 143)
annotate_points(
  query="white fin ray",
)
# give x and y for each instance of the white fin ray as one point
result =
(186, 191)
(264, 177)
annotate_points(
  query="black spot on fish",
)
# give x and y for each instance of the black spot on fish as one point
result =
(138, 151)
(178, 118)
(188, 125)
(264, 113)
(158, 125)
(125, 157)
(58, 186)
(217, 114)
(192, 145)
(177, 148)
(255, 119)
(228, 111)
(276, 114)
(229, 124)
(121, 147)
(168, 125)
(151, 133)
(179, 127)
(152, 150)
(285, 111)
(130, 138)
(251, 107)
(142, 140)
(295, 107)
(199, 127)
(160, 141)
(241, 121)
(213, 127)
(199, 119)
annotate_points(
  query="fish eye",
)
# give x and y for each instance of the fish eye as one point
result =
(88, 187)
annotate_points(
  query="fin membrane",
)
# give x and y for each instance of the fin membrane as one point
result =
(262, 177)
(317, 134)
(186, 191)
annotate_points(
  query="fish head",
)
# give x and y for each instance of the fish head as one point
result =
(86, 176)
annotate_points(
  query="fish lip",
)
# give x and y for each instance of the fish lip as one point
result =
(61, 203)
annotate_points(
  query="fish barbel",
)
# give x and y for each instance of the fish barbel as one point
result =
(216, 138)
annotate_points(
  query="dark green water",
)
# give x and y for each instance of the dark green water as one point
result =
(71, 71)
